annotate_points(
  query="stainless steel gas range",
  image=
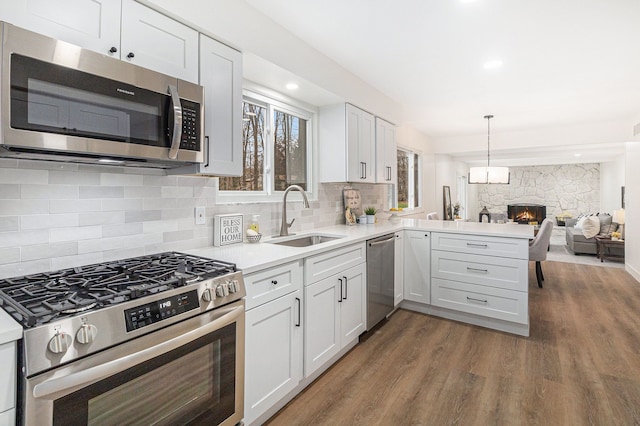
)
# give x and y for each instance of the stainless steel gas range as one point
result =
(155, 339)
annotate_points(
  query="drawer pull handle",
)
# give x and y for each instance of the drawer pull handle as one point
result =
(274, 282)
(477, 270)
(477, 245)
(476, 300)
(299, 308)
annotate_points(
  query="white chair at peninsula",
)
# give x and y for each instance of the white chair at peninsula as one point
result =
(433, 216)
(539, 246)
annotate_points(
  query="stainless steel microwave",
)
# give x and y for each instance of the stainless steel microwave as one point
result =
(61, 102)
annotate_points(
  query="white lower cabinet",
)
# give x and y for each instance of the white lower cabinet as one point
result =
(273, 337)
(417, 266)
(335, 315)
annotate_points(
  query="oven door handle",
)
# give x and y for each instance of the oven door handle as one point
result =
(52, 389)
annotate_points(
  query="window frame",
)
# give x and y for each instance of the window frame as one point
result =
(276, 102)
(393, 194)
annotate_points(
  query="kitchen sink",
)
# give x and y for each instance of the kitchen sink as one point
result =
(306, 240)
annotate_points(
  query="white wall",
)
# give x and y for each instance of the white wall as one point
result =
(612, 178)
(632, 210)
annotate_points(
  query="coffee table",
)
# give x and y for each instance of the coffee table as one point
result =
(604, 249)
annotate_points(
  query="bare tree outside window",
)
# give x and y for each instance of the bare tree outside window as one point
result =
(408, 188)
(403, 179)
(290, 151)
(253, 130)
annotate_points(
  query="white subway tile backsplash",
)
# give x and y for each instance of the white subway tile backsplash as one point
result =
(62, 215)
(46, 221)
(125, 204)
(24, 238)
(23, 176)
(20, 269)
(142, 216)
(101, 192)
(48, 192)
(9, 255)
(8, 192)
(120, 179)
(142, 192)
(66, 177)
(47, 251)
(9, 223)
(75, 233)
(72, 206)
(20, 207)
(101, 218)
(121, 229)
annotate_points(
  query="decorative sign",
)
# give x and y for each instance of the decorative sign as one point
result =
(227, 229)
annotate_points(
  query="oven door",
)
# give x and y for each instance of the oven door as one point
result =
(188, 373)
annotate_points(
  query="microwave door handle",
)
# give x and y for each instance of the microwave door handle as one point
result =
(177, 122)
(57, 387)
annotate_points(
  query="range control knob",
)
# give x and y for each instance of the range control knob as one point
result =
(208, 294)
(232, 286)
(60, 342)
(222, 290)
(86, 334)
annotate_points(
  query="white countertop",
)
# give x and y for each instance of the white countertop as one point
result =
(254, 257)
(10, 330)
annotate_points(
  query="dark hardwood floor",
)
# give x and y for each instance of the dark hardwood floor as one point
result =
(580, 365)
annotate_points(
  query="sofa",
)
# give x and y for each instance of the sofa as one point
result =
(579, 244)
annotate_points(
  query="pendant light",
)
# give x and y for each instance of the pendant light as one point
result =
(489, 174)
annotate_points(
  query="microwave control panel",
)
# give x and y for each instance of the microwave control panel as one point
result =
(190, 125)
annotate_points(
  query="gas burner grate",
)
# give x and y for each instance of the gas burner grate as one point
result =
(38, 298)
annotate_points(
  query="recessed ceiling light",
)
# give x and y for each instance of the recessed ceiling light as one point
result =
(291, 86)
(493, 64)
(577, 155)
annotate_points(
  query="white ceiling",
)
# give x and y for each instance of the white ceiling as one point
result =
(564, 62)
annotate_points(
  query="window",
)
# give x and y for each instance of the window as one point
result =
(276, 148)
(408, 188)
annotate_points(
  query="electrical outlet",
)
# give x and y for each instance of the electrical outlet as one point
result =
(200, 216)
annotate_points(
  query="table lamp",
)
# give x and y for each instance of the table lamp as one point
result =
(618, 217)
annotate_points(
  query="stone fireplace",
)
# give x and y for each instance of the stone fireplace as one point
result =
(526, 213)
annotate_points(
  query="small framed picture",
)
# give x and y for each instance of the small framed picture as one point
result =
(227, 229)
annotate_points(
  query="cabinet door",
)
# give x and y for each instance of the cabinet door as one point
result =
(386, 155)
(417, 266)
(155, 41)
(273, 365)
(360, 145)
(353, 309)
(92, 24)
(399, 268)
(221, 76)
(321, 322)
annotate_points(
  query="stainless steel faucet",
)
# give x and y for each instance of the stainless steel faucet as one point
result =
(284, 227)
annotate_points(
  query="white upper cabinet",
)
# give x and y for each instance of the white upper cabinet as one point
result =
(93, 24)
(386, 155)
(155, 41)
(347, 144)
(221, 76)
(126, 30)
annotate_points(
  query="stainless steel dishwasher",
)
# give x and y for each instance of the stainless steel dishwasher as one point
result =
(380, 278)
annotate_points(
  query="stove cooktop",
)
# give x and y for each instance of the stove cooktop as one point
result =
(41, 298)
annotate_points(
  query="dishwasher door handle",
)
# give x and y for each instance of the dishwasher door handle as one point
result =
(375, 243)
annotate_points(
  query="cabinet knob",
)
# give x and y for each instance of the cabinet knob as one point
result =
(131, 55)
(274, 282)
(113, 49)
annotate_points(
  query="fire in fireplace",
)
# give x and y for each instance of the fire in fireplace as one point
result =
(526, 213)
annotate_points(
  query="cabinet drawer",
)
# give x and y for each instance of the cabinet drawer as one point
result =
(272, 283)
(507, 305)
(517, 248)
(501, 272)
(332, 262)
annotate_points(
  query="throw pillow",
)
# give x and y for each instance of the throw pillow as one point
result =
(590, 227)
(605, 223)
(580, 222)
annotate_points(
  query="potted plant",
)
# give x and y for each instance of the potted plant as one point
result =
(371, 214)
(456, 210)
